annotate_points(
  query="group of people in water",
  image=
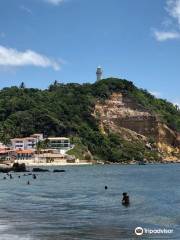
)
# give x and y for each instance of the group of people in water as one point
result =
(125, 199)
(11, 177)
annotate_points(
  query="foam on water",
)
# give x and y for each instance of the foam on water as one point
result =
(4, 226)
(14, 237)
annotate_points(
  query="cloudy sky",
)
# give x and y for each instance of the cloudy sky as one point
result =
(46, 40)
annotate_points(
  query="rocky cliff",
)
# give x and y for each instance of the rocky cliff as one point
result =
(123, 115)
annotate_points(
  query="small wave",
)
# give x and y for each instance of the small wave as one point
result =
(14, 237)
(4, 226)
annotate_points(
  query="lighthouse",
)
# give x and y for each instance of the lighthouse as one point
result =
(99, 73)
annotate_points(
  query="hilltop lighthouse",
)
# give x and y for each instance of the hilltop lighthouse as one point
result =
(99, 73)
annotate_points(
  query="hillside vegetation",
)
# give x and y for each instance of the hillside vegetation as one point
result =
(66, 110)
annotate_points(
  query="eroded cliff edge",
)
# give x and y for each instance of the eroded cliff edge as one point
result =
(122, 115)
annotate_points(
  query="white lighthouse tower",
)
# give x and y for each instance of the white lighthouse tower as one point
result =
(99, 73)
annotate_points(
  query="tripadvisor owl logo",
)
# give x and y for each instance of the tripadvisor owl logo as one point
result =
(139, 231)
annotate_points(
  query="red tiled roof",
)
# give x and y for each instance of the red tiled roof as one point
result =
(28, 151)
(4, 150)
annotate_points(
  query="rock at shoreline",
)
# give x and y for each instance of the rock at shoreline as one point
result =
(15, 168)
(58, 170)
(5, 168)
(19, 167)
(40, 170)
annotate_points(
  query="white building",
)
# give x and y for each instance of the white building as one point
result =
(26, 143)
(99, 73)
(58, 144)
(23, 143)
(62, 144)
(2, 145)
(38, 136)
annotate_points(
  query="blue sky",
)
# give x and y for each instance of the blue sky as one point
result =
(46, 40)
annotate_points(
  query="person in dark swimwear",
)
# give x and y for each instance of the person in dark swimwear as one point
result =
(125, 200)
(34, 176)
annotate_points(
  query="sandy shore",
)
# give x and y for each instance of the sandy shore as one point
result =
(55, 164)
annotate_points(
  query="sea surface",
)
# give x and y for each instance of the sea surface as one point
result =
(75, 204)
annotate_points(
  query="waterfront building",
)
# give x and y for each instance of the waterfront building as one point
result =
(23, 143)
(57, 144)
(24, 154)
(50, 158)
(26, 143)
(6, 154)
(2, 145)
(61, 144)
(38, 136)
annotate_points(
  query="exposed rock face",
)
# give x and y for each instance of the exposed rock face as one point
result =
(121, 114)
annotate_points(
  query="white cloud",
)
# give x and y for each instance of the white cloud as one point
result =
(171, 23)
(163, 36)
(54, 2)
(26, 9)
(173, 8)
(156, 94)
(10, 57)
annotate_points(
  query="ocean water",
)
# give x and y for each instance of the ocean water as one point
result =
(75, 205)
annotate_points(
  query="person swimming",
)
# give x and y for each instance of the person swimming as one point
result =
(125, 200)
(28, 183)
(34, 176)
(106, 187)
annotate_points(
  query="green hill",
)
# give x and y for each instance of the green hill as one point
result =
(66, 110)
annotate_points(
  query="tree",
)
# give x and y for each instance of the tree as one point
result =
(54, 85)
(42, 145)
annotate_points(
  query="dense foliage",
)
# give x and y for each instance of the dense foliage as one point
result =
(65, 109)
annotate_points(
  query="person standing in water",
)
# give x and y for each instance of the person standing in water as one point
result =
(34, 176)
(125, 200)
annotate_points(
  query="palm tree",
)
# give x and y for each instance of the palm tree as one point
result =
(42, 145)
